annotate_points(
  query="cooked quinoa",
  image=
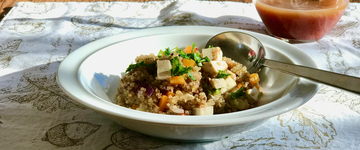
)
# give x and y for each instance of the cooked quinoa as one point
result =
(187, 82)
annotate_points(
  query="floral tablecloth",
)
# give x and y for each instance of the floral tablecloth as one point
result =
(36, 114)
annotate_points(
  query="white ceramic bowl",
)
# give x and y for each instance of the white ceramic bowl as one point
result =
(111, 56)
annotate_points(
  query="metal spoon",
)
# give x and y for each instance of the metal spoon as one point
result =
(251, 53)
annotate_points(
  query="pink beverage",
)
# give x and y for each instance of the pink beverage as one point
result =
(303, 20)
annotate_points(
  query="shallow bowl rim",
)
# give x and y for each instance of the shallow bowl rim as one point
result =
(101, 105)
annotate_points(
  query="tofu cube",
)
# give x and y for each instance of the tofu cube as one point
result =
(218, 83)
(252, 94)
(213, 67)
(214, 54)
(232, 75)
(202, 111)
(230, 84)
(223, 84)
(163, 69)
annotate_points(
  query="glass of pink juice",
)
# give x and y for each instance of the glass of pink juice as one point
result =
(300, 20)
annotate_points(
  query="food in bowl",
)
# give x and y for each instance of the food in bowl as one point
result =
(307, 20)
(187, 82)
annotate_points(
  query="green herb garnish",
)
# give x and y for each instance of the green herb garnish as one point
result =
(192, 47)
(210, 46)
(140, 64)
(182, 53)
(177, 69)
(175, 61)
(206, 59)
(197, 58)
(160, 54)
(222, 74)
(191, 76)
(210, 89)
(239, 93)
(217, 91)
(167, 51)
(260, 95)
(207, 88)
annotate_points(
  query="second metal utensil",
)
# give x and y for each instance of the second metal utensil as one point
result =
(250, 52)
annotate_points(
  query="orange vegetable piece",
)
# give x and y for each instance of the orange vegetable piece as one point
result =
(240, 85)
(177, 80)
(170, 93)
(189, 48)
(134, 106)
(254, 78)
(189, 62)
(162, 102)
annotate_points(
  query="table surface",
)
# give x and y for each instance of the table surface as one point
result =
(6, 5)
(36, 114)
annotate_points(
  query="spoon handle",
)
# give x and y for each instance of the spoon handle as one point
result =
(341, 81)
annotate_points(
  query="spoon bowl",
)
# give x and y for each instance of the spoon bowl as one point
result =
(241, 47)
(249, 51)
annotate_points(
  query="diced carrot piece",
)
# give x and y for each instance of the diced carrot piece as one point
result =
(189, 62)
(240, 85)
(170, 93)
(134, 106)
(188, 49)
(254, 78)
(162, 102)
(177, 80)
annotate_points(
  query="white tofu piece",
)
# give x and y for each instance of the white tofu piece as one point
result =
(202, 111)
(213, 67)
(252, 94)
(230, 84)
(232, 75)
(218, 83)
(163, 69)
(224, 84)
(214, 53)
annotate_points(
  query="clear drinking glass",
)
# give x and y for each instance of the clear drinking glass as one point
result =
(300, 20)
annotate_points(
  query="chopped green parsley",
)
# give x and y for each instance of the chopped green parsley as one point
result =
(197, 58)
(217, 91)
(239, 93)
(191, 76)
(260, 95)
(210, 89)
(182, 53)
(222, 74)
(207, 88)
(167, 52)
(193, 47)
(160, 54)
(140, 64)
(177, 69)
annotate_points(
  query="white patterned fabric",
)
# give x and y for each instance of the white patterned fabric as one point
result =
(35, 114)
